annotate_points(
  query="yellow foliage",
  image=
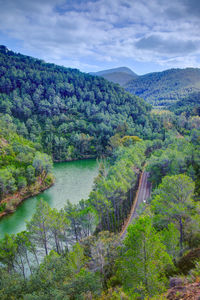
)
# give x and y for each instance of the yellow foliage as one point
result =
(114, 294)
(130, 140)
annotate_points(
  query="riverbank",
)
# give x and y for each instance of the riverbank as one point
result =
(86, 157)
(73, 181)
(12, 201)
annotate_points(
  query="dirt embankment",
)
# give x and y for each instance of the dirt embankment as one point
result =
(14, 200)
(184, 292)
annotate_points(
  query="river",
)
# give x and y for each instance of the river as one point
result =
(73, 181)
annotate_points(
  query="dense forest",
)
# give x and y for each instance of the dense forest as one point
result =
(24, 169)
(165, 88)
(71, 114)
(188, 106)
(76, 252)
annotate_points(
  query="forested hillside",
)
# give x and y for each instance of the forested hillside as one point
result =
(190, 105)
(164, 88)
(76, 252)
(71, 114)
(83, 261)
(24, 170)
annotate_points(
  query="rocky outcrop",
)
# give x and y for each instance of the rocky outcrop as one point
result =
(184, 292)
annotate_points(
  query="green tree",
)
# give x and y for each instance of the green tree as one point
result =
(23, 251)
(47, 281)
(42, 164)
(30, 174)
(58, 228)
(103, 253)
(170, 238)
(84, 285)
(141, 267)
(8, 249)
(21, 182)
(12, 285)
(76, 258)
(7, 183)
(39, 226)
(173, 202)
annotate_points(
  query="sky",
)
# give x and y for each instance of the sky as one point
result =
(93, 35)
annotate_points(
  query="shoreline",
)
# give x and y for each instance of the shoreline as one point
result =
(17, 198)
(75, 159)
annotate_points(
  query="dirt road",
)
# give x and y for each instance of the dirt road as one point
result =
(143, 193)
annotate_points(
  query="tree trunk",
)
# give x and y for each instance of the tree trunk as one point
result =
(28, 262)
(145, 266)
(181, 235)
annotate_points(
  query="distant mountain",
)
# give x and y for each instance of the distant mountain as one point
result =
(120, 75)
(167, 87)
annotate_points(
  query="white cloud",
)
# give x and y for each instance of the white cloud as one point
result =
(83, 33)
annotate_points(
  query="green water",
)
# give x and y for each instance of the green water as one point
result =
(74, 181)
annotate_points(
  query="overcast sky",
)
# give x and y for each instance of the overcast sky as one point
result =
(91, 35)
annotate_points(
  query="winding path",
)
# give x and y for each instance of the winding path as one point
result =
(143, 193)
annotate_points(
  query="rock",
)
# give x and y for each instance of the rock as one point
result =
(175, 281)
(185, 292)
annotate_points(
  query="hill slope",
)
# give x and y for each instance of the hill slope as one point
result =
(189, 105)
(164, 88)
(24, 170)
(71, 114)
(120, 75)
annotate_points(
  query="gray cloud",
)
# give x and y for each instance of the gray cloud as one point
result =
(192, 7)
(186, 10)
(83, 32)
(167, 46)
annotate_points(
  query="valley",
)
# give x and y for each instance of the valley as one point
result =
(160, 89)
(96, 149)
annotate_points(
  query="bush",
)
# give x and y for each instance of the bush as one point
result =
(187, 262)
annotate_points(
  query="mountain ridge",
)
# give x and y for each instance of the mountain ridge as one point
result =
(58, 106)
(118, 69)
(120, 75)
(162, 88)
(166, 87)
